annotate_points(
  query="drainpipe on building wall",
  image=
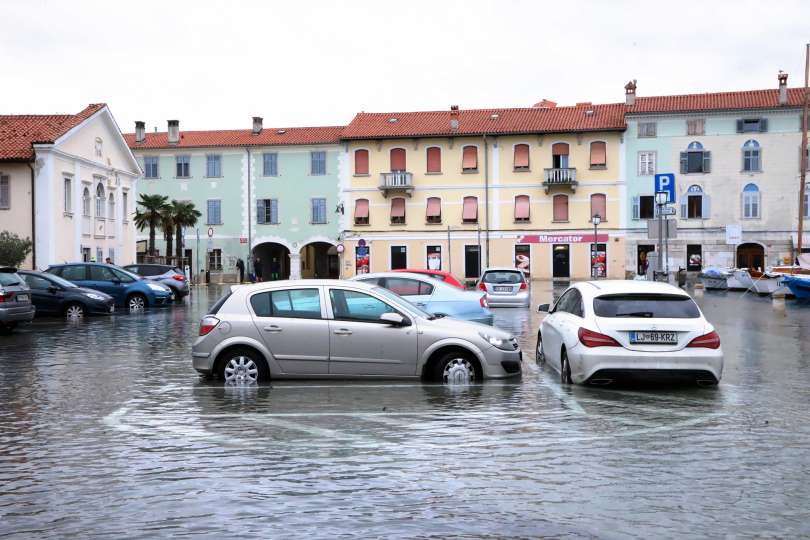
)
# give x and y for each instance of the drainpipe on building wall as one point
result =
(486, 201)
(249, 261)
(33, 218)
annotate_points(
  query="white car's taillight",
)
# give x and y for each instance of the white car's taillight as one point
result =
(589, 338)
(207, 324)
(708, 341)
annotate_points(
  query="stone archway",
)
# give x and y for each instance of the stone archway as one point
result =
(751, 256)
(319, 260)
(274, 259)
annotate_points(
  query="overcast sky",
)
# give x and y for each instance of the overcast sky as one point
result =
(214, 65)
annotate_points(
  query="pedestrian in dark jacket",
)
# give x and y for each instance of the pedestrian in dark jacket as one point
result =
(240, 267)
(257, 268)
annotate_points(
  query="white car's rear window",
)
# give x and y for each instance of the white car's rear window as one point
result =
(648, 306)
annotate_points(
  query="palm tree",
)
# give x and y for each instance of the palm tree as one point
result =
(167, 225)
(185, 215)
(150, 216)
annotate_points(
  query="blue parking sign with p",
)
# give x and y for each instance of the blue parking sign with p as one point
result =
(666, 182)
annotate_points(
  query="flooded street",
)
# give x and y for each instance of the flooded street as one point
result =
(106, 431)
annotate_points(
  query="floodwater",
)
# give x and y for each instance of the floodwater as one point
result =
(106, 431)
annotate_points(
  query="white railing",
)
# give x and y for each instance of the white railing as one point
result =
(560, 176)
(399, 179)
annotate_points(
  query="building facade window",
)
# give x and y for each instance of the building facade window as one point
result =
(215, 259)
(469, 159)
(213, 166)
(397, 159)
(270, 164)
(751, 156)
(522, 209)
(214, 212)
(598, 155)
(361, 161)
(318, 163)
(694, 257)
(399, 257)
(646, 163)
(183, 166)
(111, 206)
(124, 207)
(469, 212)
(101, 200)
(267, 211)
(398, 211)
(433, 212)
(599, 206)
(752, 125)
(5, 192)
(68, 195)
(86, 202)
(696, 126)
(318, 210)
(151, 167)
(521, 158)
(695, 204)
(560, 212)
(647, 129)
(751, 201)
(696, 159)
(361, 212)
(559, 155)
(434, 160)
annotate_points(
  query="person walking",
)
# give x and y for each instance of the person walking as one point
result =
(257, 268)
(240, 267)
(275, 269)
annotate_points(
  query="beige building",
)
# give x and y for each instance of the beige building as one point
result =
(67, 182)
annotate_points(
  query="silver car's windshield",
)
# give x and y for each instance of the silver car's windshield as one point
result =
(399, 301)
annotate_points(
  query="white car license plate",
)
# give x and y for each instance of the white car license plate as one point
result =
(23, 298)
(503, 289)
(657, 337)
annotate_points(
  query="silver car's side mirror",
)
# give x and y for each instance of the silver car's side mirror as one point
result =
(393, 318)
(543, 308)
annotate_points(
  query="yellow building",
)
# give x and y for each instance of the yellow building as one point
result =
(462, 190)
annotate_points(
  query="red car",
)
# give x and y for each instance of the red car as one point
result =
(447, 277)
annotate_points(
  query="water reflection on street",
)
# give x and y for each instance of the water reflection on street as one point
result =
(106, 430)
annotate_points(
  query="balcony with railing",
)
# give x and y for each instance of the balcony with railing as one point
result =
(397, 181)
(560, 176)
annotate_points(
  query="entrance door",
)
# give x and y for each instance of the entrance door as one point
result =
(642, 263)
(750, 256)
(187, 260)
(562, 261)
(472, 262)
(399, 257)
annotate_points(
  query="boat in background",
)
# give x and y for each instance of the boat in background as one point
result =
(798, 285)
(743, 278)
(734, 283)
(766, 282)
(715, 278)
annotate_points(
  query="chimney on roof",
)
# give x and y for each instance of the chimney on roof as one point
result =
(630, 92)
(545, 104)
(174, 131)
(453, 117)
(584, 104)
(257, 125)
(783, 97)
(140, 131)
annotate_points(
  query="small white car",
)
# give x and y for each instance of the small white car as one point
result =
(602, 331)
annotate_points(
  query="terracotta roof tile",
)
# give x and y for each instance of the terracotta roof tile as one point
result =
(240, 137)
(19, 131)
(747, 99)
(486, 121)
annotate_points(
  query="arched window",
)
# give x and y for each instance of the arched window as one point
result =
(86, 202)
(521, 157)
(522, 209)
(434, 159)
(398, 159)
(361, 212)
(469, 213)
(695, 159)
(361, 161)
(100, 201)
(433, 212)
(695, 204)
(560, 208)
(469, 162)
(750, 201)
(598, 155)
(599, 206)
(751, 156)
(559, 155)
(694, 145)
(398, 211)
(111, 207)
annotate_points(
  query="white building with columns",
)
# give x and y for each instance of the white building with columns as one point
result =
(67, 182)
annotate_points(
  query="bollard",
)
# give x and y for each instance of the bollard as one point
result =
(778, 300)
(698, 293)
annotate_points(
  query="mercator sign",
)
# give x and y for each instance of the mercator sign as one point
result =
(561, 238)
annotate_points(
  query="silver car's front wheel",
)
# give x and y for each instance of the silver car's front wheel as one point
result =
(458, 370)
(241, 370)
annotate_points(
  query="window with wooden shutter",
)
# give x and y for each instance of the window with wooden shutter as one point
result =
(434, 159)
(398, 211)
(470, 211)
(636, 207)
(598, 155)
(397, 159)
(433, 212)
(646, 205)
(521, 157)
(695, 126)
(5, 192)
(560, 208)
(522, 209)
(599, 206)
(361, 162)
(469, 161)
(646, 163)
(559, 155)
(361, 212)
(752, 125)
(647, 129)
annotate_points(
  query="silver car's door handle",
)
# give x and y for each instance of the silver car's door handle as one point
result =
(272, 328)
(343, 332)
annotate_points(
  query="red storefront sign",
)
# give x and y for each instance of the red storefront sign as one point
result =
(561, 238)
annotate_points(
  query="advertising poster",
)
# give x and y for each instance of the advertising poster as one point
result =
(523, 259)
(434, 257)
(361, 260)
(599, 260)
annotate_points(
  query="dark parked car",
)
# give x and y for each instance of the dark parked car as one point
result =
(53, 295)
(165, 274)
(15, 300)
(128, 289)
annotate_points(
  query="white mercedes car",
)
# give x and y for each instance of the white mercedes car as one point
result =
(602, 331)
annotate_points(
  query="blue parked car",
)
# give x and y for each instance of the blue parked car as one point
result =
(433, 296)
(128, 289)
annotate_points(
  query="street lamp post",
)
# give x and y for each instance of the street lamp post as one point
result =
(597, 219)
(661, 199)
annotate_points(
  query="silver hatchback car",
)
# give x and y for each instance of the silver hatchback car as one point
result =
(505, 287)
(343, 329)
